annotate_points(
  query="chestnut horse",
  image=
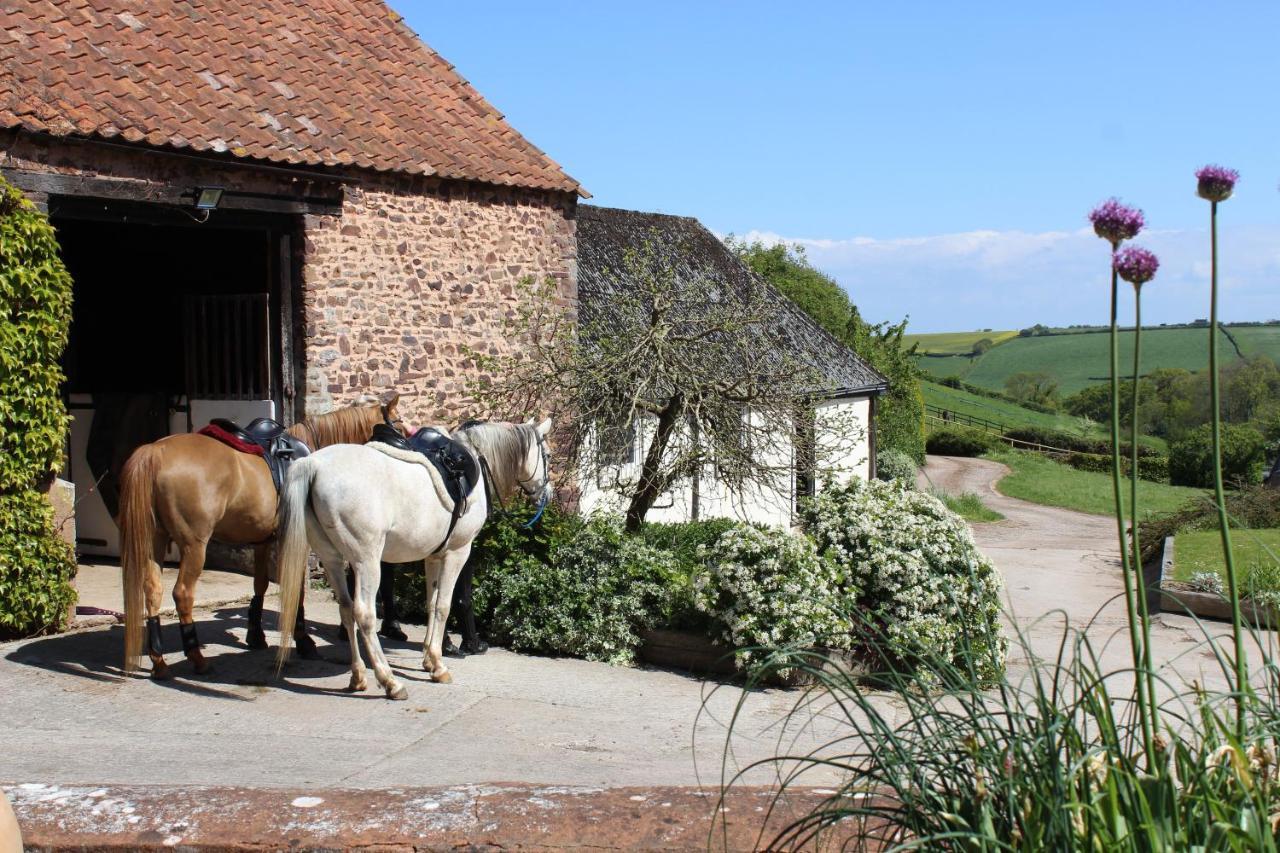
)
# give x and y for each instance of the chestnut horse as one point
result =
(189, 489)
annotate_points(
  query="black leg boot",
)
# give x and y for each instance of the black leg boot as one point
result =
(390, 629)
(471, 642)
(256, 637)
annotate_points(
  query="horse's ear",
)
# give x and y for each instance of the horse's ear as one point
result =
(544, 428)
(389, 399)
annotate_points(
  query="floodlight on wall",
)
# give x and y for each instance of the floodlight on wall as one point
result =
(208, 198)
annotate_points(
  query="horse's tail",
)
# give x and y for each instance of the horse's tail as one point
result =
(294, 549)
(137, 541)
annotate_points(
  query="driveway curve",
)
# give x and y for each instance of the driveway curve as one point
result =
(1062, 564)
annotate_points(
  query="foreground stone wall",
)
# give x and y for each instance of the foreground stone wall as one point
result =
(413, 271)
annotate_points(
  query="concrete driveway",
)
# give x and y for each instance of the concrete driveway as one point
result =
(78, 731)
(1060, 565)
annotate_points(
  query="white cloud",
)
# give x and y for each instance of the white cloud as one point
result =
(1010, 279)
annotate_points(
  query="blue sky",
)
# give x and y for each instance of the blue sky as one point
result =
(937, 158)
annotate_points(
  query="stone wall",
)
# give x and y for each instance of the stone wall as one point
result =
(412, 272)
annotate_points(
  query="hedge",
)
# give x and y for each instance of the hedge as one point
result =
(35, 300)
(957, 441)
(1154, 468)
(36, 566)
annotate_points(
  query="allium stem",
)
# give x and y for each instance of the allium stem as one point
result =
(1233, 588)
(1135, 638)
(1139, 576)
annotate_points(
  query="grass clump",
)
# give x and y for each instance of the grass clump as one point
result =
(968, 506)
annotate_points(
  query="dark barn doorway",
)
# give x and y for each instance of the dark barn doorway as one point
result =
(174, 322)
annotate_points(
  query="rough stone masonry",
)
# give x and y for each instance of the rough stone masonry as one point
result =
(413, 271)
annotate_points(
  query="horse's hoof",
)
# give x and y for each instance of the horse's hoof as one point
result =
(442, 678)
(399, 694)
(307, 648)
(160, 672)
(393, 631)
(357, 686)
(451, 651)
(200, 665)
(479, 647)
(256, 639)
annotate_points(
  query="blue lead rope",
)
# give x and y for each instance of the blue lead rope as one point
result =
(542, 505)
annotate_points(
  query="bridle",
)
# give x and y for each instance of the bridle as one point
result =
(386, 419)
(540, 493)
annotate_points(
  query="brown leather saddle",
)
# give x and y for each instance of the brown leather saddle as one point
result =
(279, 449)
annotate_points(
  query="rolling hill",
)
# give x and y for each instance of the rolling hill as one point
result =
(955, 343)
(1080, 359)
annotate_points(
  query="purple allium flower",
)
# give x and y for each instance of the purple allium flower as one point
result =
(1216, 182)
(1136, 265)
(1116, 222)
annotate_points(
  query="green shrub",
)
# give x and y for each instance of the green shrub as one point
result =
(36, 567)
(503, 544)
(1191, 458)
(910, 566)
(896, 465)
(591, 599)
(682, 539)
(958, 441)
(35, 314)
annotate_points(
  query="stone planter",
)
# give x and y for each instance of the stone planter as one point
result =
(1178, 597)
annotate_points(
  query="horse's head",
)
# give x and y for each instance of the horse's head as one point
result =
(535, 473)
(389, 401)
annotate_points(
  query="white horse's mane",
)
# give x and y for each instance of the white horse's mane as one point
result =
(504, 446)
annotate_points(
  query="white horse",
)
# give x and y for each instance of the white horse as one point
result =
(354, 504)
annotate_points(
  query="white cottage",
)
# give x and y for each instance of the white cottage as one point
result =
(848, 396)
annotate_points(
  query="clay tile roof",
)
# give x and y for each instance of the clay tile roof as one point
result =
(298, 82)
(606, 234)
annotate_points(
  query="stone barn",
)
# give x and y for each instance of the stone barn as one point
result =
(267, 208)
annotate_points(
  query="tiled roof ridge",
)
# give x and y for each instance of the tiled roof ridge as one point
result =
(329, 83)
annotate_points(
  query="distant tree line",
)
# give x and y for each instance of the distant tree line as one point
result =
(900, 419)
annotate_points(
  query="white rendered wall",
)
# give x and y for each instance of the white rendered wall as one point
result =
(838, 459)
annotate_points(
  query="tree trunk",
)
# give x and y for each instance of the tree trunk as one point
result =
(652, 483)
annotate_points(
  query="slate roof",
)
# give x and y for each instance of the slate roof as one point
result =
(320, 83)
(606, 234)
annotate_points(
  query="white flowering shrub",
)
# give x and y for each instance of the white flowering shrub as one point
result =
(911, 573)
(767, 588)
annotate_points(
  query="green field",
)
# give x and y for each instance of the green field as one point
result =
(1043, 481)
(1258, 340)
(1011, 415)
(1078, 360)
(1256, 552)
(955, 343)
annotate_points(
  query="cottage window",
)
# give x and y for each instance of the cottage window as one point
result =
(617, 442)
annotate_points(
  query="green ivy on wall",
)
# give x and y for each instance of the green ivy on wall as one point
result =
(36, 566)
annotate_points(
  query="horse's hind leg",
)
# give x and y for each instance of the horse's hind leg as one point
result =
(367, 576)
(256, 638)
(184, 596)
(335, 568)
(153, 591)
